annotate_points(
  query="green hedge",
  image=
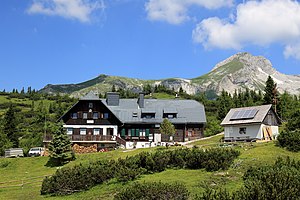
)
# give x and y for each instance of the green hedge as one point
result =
(82, 177)
(154, 190)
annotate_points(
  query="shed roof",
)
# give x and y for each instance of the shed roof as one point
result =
(258, 118)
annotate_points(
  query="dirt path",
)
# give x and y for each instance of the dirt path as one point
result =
(205, 138)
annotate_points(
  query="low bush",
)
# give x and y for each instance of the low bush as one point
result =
(82, 177)
(211, 194)
(154, 190)
(290, 140)
(279, 181)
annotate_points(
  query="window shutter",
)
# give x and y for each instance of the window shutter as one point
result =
(137, 132)
(123, 132)
(147, 132)
(132, 132)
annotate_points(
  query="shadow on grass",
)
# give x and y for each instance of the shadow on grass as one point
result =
(54, 163)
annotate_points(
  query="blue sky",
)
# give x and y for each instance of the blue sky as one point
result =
(70, 41)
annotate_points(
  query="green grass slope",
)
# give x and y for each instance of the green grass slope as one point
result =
(217, 74)
(196, 180)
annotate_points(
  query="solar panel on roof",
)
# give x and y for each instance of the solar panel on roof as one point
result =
(234, 115)
(244, 114)
(253, 113)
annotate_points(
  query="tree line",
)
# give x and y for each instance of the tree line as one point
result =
(29, 114)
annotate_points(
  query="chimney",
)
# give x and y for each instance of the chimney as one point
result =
(141, 100)
(112, 98)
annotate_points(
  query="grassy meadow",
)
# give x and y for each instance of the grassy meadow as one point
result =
(196, 180)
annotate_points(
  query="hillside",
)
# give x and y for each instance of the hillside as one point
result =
(19, 169)
(239, 71)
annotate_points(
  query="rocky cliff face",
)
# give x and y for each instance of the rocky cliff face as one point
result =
(239, 71)
(245, 70)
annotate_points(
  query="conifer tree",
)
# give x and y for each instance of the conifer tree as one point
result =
(269, 91)
(166, 127)
(224, 103)
(60, 147)
(10, 126)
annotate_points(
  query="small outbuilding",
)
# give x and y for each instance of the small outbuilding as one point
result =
(256, 123)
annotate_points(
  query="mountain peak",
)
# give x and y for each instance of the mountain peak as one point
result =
(239, 71)
(248, 60)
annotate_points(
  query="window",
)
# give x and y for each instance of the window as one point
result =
(129, 132)
(243, 130)
(83, 131)
(170, 115)
(95, 115)
(98, 131)
(85, 115)
(69, 131)
(74, 115)
(142, 132)
(90, 105)
(148, 115)
(106, 115)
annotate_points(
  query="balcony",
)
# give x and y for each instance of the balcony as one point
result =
(85, 138)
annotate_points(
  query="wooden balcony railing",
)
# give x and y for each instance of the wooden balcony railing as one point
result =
(82, 138)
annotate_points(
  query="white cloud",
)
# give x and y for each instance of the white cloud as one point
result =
(175, 11)
(80, 10)
(292, 51)
(256, 22)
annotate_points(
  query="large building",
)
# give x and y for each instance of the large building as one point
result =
(256, 123)
(133, 123)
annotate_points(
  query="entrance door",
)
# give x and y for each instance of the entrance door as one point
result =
(110, 131)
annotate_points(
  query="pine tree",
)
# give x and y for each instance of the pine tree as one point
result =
(166, 127)
(10, 126)
(29, 90)
(60, 147)
(225, 103)
(269, 91)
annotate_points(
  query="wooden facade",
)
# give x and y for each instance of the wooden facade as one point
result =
(92, 121)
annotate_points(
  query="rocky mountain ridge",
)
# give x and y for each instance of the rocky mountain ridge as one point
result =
(239, 71)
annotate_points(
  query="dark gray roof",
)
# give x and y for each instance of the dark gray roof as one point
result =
(188, 111)
(258, 118)
(90, 96)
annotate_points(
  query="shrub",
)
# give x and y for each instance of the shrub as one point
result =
(211, 194)
(290, 140)
(82, 177)
(279, 181)
(73, 179)
(154, 190)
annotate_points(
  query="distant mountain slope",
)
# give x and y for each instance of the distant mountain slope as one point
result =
(245, 70)
(239, 71)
